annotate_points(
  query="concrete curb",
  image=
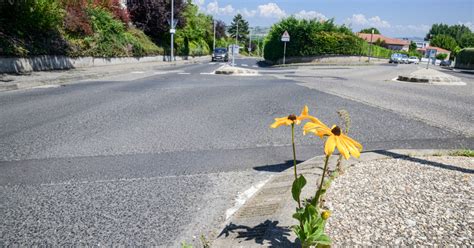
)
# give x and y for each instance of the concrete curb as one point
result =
(230, 70)
(264, 220)
(28, 84)
(430, 76)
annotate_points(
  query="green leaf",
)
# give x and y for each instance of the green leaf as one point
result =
(324, 240)
(298, 185)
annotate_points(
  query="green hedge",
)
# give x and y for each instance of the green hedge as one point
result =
(314, 38)
(465, 59)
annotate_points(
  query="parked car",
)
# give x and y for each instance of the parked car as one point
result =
(445, 63)
(405, 59)
(220, 54)
(413, 60)
(396, 58)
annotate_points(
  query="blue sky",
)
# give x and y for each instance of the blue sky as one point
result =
(400, 18)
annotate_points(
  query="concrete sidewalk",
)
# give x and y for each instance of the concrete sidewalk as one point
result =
(61, 77)
(265, 219)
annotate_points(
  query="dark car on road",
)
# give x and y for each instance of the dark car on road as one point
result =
(220, 54)
(445, 63)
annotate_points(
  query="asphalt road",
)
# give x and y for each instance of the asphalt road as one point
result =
(158, 160)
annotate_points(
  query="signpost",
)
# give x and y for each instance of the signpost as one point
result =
(285, 38)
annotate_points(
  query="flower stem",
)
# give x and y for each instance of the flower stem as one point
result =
(294, 156)
(294, 150)
(318, 193)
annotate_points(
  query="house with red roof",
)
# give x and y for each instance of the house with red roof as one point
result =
(427, 50)
(390, 43)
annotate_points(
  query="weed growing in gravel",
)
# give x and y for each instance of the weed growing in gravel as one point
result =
(464, 153)
(312, 218)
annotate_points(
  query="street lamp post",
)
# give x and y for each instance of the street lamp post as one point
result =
(429, 53)
(214, 43)
(250, 41)
(370, 46)
(172, 30)
(236, 44)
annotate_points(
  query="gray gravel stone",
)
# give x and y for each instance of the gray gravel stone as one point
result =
(414, 201)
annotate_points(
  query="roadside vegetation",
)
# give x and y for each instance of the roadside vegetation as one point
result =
(453, 38)
(315, 38)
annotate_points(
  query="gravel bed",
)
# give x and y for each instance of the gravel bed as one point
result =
(397, 202)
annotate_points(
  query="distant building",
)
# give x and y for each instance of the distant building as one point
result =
(427, 50)
(421, 44)
(390, 43)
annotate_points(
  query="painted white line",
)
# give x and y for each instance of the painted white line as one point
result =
(207, 73)
(137, 72)
(212, 63)
(222, 63)
(243, 197)
(245, 65)
(184, 73)
(254, 66)
(47, 86)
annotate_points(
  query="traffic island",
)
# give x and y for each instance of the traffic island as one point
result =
(232, 70)
(430, 76)
(369, 208)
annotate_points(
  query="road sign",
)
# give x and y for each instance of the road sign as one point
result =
(285, 37)
(172, 31)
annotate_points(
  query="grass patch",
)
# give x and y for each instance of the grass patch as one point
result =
(463, 153)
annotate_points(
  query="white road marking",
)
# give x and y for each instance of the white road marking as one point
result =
(207, 73)
(254, 66)
(184, 73)
(222, 63)
(137, 72)
(47, 86)
(244, 65)
(212, 63)
(243, 197)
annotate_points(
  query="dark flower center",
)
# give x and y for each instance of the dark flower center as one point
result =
(336, 131)
(292, 117)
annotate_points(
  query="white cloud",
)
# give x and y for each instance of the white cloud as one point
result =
(310, 15)
(271, 10)
(419, 29)
(199, 2)
(470, 25)
(361, 20)
(247, 13)
(214, 9)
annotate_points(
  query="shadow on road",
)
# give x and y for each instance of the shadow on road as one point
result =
(424, 161)
(265, 233)
(276, 167)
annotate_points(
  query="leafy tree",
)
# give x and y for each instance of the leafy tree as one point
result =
(220, 30)
(369, 31)
(152, 17)
(441, 56)
(243, 28)
(467, 40)
(412, 46)
(455, 31)
(444, 41)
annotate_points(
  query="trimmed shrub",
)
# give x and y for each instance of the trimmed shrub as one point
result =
(465, 59)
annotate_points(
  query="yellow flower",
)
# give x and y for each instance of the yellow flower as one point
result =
(325, 214)
(345, 145)
(293, 119)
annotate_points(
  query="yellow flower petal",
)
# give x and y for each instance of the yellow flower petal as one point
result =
(341, 147)
(352, 149)
(330, 145)
(305, 111)
(355, 143)
(279, 122)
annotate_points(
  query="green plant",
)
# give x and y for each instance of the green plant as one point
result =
(464, 153)
(441, 56)
(465, 59)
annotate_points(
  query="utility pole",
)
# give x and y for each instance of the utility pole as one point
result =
(370, 46)
(250, 41)
(214, 43)
(172, 30)
(236, 44)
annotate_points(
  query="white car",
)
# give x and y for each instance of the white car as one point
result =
(413, 60)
